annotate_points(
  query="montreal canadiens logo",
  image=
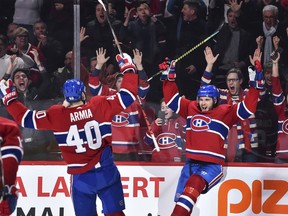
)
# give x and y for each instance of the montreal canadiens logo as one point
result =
(285, 127)
(166, 139)
(200, 123)
(120, 120)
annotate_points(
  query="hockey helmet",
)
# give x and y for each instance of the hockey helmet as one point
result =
(73, 89)
(208, 91)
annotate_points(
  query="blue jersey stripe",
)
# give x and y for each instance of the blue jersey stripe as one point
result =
(126, 98)
(27, 120)
(242, 111)
(17, 152)
(174, 103)
(205, 153)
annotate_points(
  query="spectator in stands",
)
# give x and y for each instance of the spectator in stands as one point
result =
(242, 140)
(190, 31)
(27, 13)
(169, 131)
(234, 46)
(266, 31)
(21, 36)
(10, 32)
(61, 75)
(35, 143)
(143, 33)
(22, 80)
(60, 23)
(216, 14)
(51, 48)
(280, 99)
(20, 59)
(126, 141)
(251, 12)
(266, 119)
(100, 34)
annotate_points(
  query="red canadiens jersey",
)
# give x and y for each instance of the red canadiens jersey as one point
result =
(205, 133)
(12, 140)
(82, 132)
(170, 138)
(280, 106)
(11, 149)
(125, 125)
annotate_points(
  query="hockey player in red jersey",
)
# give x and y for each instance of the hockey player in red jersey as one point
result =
(11, 156)
(280, 106)
(207, 127)
(126, 124)
(83, 133)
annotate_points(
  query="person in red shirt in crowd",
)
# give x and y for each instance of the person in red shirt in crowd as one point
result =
(11, 156)
(125, 125)
(169, 130)
(280, 105)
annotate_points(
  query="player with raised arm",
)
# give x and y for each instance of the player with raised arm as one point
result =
(83, 133)
(207, 127)
(11, 156)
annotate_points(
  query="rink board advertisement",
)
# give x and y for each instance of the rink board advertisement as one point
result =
(44, 190)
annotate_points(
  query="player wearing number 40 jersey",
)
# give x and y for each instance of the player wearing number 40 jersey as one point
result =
(83, 132)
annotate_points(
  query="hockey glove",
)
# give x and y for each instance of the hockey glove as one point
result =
(256, 77)
(168, 70)
(126, 63)
(8, 91)
(8, 200)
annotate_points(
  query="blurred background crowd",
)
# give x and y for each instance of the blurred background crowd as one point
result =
(36, 52)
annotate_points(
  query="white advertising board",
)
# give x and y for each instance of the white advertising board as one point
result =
(44, 190)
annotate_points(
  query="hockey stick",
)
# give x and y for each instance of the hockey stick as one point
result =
(139, 99)
(191, 50)
(2, 182)
(111, 28)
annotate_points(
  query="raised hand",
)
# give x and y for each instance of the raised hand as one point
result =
(168, 70)
(256, 77)
(259, 41)
(82, 34)
(125, 63)
(101, 59)
(8, 91)
(137, 59)
(276, 41)
(256, 57)
(210, 58)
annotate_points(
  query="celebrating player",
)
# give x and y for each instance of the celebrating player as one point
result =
(83, 133)
(11, 156)
(207, 127)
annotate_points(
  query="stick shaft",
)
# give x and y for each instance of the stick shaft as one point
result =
(149, 127)
(139, 100)
(190, 50)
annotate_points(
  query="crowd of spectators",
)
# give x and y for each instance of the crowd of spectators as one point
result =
(36, 52)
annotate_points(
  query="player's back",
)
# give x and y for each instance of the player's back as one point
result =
(82, 133)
